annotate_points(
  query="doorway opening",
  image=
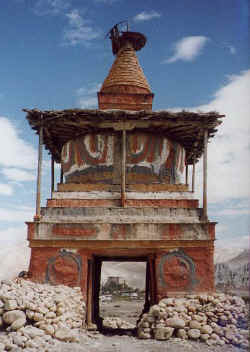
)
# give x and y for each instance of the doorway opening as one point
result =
(122, 290)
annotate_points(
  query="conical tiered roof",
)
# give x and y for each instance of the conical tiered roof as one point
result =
(126, 87)
(126, 71)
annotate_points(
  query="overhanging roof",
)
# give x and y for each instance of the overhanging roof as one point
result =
(185, 127)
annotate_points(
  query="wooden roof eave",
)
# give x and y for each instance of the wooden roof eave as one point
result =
(184, 127)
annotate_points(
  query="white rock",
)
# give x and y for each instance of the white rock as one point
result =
(10, 304)
(206, 329)
(32, 331)
(65, 334)
(204, 337)
(18, 324)
(175, 323)
(163, 333)
(194, 333)
(182, 334)
(10, 316)
(194, 324)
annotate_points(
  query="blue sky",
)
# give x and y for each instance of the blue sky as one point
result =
(55, 55)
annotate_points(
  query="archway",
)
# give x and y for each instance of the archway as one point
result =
(139, 298)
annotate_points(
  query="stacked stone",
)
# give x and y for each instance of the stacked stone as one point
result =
(216, 319)
(117, 323)
(35, 316)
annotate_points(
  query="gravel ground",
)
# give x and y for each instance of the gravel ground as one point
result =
(101, 343)
(126, 310)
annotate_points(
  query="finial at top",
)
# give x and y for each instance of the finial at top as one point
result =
(119, 37)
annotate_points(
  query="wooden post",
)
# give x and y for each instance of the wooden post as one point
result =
(147, 289)
(152, 281)
(205, 176)
(61, 175)
(89, 292)
(39, 173)
(193, 176)
(52, 175)
(123, 174)
(186, 176)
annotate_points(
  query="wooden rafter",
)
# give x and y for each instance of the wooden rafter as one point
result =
(185, 127)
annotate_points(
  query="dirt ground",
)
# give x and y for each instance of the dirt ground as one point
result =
(126, 310)
(101, 343)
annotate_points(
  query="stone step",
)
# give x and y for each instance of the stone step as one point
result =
(132, 212)
(114, 203)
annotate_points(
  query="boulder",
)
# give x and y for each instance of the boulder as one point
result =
(66, 335)
(194, 333)
(163, 333)
(175, 323)
(13, 315)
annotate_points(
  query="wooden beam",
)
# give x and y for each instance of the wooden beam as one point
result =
(186, 175)
(52, 175)
(193, 176)
(147, 289)
(123, 174)
(152, 280)
(39, 174)
(61, 174)
(89, 293)
(204, 215)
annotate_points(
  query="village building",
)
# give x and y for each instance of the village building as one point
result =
(121, 196)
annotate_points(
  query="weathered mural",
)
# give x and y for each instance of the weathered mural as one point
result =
(97, 158)
(153, 158)
(88, 159)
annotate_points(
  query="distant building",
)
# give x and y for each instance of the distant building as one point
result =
(117, 280)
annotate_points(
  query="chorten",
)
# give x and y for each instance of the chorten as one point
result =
(125, 193)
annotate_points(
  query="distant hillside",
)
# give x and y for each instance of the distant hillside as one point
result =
(234, 273)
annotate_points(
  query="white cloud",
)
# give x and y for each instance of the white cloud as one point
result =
(187, 48)
(50, 7)
(88, 96)
(18, 175)
(232, 49)
(12, 235)
(232, 212)
(15, 151)
(15, 251)
(79, 31)
(87, 103)
(229, 150)
(6, 189)
(233, 242)
(146, 16)
(93, 88)
(16, 215)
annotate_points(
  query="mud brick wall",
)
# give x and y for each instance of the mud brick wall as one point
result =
(59, 266)
(185, 270)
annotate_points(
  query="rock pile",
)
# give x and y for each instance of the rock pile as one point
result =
(35, 316)
(216, 319)
(117, 323)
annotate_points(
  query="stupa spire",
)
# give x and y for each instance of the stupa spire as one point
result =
(126, 86)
